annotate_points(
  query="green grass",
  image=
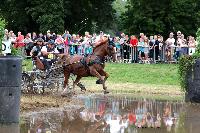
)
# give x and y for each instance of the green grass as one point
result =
(158, 74)
(27, 65)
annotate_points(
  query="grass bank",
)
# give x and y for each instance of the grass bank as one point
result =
(158, 74)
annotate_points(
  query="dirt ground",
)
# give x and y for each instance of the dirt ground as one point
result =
(33, 102)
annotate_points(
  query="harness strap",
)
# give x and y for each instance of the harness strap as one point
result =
(97, 60)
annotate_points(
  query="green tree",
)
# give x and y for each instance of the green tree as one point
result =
(57, 15)
(2, 27)
(48, 14)
(15, 15)
(156, 17)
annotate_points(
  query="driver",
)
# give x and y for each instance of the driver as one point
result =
(36, 50)
(47, 54)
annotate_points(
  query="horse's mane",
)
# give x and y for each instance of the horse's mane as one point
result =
(100, 44)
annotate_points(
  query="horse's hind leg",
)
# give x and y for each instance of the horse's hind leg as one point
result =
(76, 82)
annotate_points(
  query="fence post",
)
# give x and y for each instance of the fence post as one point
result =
(10, 88)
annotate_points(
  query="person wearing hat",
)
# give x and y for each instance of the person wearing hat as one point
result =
(36, 50)
(47, 54)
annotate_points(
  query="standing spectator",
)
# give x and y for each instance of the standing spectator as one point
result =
(28, 44)
(48, 37)
(156, 46)
(118, 46)
(34, 37)
(191, 45)
(73, 47)
(134, 43)
(151, 48)
(19, 41)
(86, 43)
(184, 46)
(67, 37)
(179, 45)
(59, 43)
(146, 49)
(12, 36)
(141, 49)
(6, 35)
(170, 43)
(162, 47)
(122, 43)
(78, 39)
(126, 48)
(42, 36)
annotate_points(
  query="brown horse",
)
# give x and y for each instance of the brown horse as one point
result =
(92, 65)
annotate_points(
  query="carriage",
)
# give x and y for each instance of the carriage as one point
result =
(38, 81)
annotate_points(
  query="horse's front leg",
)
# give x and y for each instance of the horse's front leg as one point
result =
(103, 73)
(94, 72)
(66, 79)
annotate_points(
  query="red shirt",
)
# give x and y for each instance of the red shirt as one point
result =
(132, 118)
(19, 41)
(134, 42)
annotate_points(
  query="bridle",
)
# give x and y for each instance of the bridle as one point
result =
(111, 46)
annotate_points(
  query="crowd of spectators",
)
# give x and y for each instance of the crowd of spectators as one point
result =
(135, 49)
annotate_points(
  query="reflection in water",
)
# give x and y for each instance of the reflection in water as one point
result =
(11, 128)
(132, 115)
(109, 115)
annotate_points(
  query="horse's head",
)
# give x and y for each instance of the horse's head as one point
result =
(111, 49)
(105, 48)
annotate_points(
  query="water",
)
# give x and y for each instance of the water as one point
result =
(119, 114)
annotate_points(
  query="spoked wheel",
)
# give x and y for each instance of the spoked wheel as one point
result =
(39, 87)
(26, 83)
(71, 81)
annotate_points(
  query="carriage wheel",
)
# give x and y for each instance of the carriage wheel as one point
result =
(71, 81)
(26, 83)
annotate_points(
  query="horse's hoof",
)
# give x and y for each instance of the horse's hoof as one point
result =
(83, 89)
(106, 92)
(99, 81)
(64, 95)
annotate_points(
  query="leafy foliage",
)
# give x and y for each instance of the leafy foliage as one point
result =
(2, 26)
(186, 64)
(57, 15)
(155, 17)
(49, 15)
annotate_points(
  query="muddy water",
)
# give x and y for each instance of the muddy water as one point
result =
(121, 114)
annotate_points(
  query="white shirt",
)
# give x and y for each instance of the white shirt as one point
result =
(114, 125)
(170, 41)
(44, 48)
